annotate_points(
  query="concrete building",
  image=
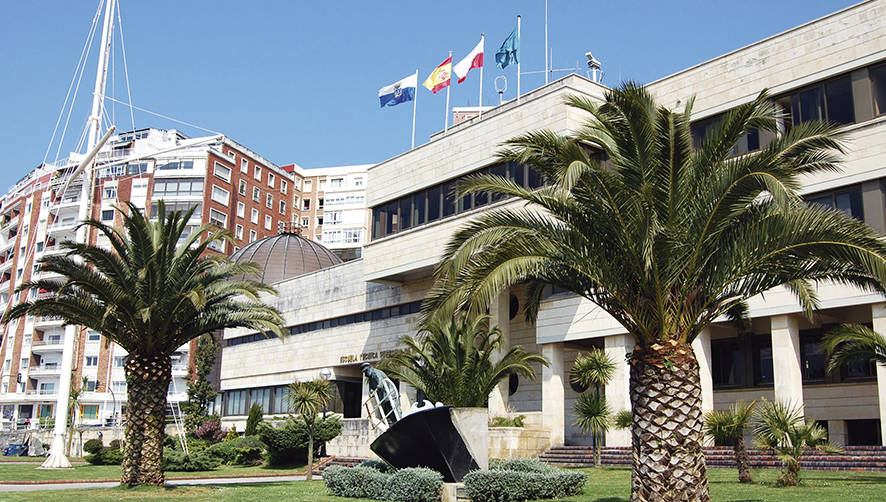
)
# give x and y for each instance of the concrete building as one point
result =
(231, 186)
(831, 68)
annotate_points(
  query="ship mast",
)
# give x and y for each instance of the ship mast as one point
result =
(57, 458)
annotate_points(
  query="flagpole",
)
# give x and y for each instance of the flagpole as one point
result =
(547, 64)
(480, 109)
(414, 106)
(448, 87)
(518, 60)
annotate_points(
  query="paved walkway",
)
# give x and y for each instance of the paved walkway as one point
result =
(172, 482)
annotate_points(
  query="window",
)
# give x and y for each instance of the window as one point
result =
(319, 220)
(242, 189)
(178, 187)
(322, 186)
(91, 361)
(177, 206)
(268, 222)
(283, 207)
(257, 173)
(93, 336)
(254, 215)
(244, 166)
(847, 200)
(727, 362)
(272, 180)
(262, 397)
(241, 210)
(284, 187)
(91, 386)
(107, 214)
(119, 361)
(222, 171)
(23, 364)
(305, 221)
(239, 232)
(216, 245)
(308, 186)
(269, 201)
(47, 388)
(358, 182)
(306, 204)
(235, 402)
(762, 349)
(336, 183)
(220, 195)
(333, 217)
(702, 128)
(256, 194)
(175, 165)
(319, 202)
(231, 155)
(252, 236)
(89, 411)
(118, 386)
(218, 218)
(110, 193)
(830, 100)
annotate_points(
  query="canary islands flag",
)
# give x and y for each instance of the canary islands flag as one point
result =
(439, 78)
(398, 92)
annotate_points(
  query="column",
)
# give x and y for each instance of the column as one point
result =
(553, 395)
(837, 432)
(499, 317)
(878, 315)
(618, 395)
(702, 348)
(786, 359)
(407, 397)
(364, 395)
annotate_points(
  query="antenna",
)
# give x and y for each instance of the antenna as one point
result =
(501, 87)
(594, 66)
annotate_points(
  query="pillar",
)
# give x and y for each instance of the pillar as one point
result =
(499, 317)
(407, 397)
(786, 359)
(878, 315)
(702, 348)
(837, 433)
(553, 395)
(618, 395)
(364, 395)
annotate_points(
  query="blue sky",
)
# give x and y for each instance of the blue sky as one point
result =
(297, 81)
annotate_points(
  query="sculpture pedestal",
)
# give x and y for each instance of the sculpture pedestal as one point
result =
(473, 426)
(453, 492)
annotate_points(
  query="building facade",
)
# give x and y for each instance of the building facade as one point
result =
(832, 68)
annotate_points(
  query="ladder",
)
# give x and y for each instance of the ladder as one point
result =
(177, 419)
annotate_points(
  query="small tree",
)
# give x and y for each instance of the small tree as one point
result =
(200, 391)
(254, 418)
(727, 427)
(593, 413)
(781, 426)
(306, 399)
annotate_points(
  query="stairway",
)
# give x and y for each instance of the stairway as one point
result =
(854, 458)
(342, 461)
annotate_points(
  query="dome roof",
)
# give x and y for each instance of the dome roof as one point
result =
(285, 256)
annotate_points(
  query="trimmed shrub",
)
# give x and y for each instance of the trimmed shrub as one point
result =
(93, 446)
(115, 445)
(249, 455)
(210, 431)
(254, 418)
(378, 465)
(226, 452)
(407, 485)
(106, 456)
(508, 422)
(175, 460)
(288, 442)
(196, 445)
(527, 481)
(522, 465)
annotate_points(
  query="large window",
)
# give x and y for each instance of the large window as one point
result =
(878, 82)
(177, 206)
(220, 195)
(235, 402)
(847, 199)
(218, 218)
(222, 171)
(178, 187)
(727, 362)
(747, 143)
(763, 371)
(175, 165)
(829, 100)
(262, 397)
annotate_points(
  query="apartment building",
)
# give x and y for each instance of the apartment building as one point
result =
(831, 68)
(229, 185)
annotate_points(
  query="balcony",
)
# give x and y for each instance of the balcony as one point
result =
(62, 226)
(68, 202)
(11, 222)
(53, 249)
(49, 369)
(6, 264)
(47, 321)
(179, 370)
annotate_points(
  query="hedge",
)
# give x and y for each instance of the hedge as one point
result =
(378, 465)
(177, 460)
(106, 456)
(227, 451)
(414, 484)
(93, 446)
(288, 442)
(522, 479)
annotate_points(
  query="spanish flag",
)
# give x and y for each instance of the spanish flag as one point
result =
(440, 77)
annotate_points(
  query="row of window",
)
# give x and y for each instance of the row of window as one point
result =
(345, 398)
(370, 315)
(123, 169)
(438, 201)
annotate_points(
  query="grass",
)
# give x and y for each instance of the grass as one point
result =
(28, 472)
(604, 485)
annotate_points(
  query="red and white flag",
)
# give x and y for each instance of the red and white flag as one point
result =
(473, 60)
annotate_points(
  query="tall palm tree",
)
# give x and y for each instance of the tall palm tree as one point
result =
(727, 427)
(154, 290)
(307, 399)
(665, 236)
(592, 411)
(781, 426)
(454, 361)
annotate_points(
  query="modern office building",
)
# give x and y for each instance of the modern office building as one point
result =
(831, 68)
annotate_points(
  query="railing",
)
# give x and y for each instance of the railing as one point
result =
(47, 319)
(53, 340)
(41, 392)
(45, 369)
(62, 225)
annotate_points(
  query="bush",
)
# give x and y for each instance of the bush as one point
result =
(522, 479)
(288, 442)
(226, 452)
(93, 446)
(254, 418)
(106, 456)
(196, 445)
(232, 433)
(378, 465)
(408, 485)
(175, 460)
(508, 422)
(210, 431)
(248, 455)
(115, 445)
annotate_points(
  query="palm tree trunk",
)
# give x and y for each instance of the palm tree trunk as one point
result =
(310, 470)
(666, 437)
(743, 461)
(147, 379)
(790, 471)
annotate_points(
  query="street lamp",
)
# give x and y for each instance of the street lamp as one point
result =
(325, 374)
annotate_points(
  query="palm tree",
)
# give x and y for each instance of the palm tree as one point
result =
(781, 426)
(454, 361)
(852, 343)
(727, 427)
(594, 416)
(665, 236)
(154, 290)
(307, 399)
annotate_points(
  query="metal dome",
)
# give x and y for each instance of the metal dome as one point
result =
(285, 256)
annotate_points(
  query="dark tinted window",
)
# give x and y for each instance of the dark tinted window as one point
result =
(878, 82)
(405, 213)
(763, 373)
(831, 100)
(727, 362)
(448, 198)
(434, 203)
(847, 200)
(418, 208)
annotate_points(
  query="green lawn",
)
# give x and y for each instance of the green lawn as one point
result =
(28, 472)
(604, 485)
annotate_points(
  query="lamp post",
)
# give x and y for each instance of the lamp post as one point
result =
(325, 374)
